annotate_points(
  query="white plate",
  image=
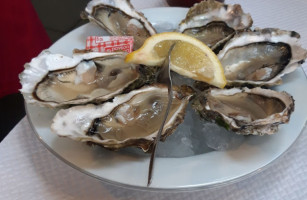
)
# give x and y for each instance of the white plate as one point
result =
(201, 171)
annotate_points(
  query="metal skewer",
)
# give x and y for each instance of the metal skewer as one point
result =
(165, 78)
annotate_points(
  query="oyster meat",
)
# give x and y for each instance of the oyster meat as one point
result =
(214, 23)
(246, 111)
(132, 119)
(119, 17)
(55, 80)
(262, 56)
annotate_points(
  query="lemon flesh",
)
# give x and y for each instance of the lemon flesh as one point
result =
(190, 57)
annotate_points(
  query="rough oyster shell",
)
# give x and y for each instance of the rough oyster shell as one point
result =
(132, 119)
(55, 80)
(246, 111)
(119, 17)
(262, 56)
(214, 23)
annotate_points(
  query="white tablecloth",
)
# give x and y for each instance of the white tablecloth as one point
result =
(29, 171)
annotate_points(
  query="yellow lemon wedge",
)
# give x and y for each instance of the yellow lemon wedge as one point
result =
(189, 57)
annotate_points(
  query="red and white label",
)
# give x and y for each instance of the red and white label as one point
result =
(110, 43)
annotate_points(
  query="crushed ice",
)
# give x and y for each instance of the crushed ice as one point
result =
(195, 136)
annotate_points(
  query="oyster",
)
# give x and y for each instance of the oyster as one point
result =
(262, 56)
(214, 23)
(132, 119)
(119, 17)
(246, 111)
(55, 80)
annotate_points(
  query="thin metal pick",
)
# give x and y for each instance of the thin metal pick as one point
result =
(164, 77)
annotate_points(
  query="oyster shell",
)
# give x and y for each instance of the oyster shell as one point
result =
(246, 111)
(262, 56)
(55, 80)
(214, 23)
(119, 17)
(132, 119)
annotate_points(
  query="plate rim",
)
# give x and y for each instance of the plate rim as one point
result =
(181, 189)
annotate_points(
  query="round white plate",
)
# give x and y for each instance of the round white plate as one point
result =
(201, 171)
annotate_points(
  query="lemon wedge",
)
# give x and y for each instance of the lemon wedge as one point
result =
(189, 57)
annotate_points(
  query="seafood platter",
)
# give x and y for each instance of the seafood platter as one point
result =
(101, 114)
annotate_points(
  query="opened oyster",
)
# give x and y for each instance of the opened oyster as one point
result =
(55, 80)
(132, 119)
(119, 17)
(214, 23)
(262, 56)
(254, 111)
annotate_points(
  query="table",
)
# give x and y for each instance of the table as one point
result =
(29, 171)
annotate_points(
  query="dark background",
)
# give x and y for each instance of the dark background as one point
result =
(58, 17)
